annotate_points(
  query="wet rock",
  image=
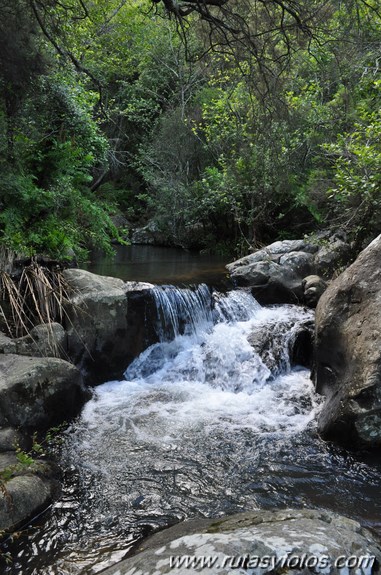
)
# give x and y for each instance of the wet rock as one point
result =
(275, 273)
(347, 364)
(102, 331)
(281, 345)
(269, 282)
(277, 542)
(38, 392)
(28, 485)
(301, 352)
(313, 288)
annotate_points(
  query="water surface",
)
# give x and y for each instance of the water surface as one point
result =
(160, 265)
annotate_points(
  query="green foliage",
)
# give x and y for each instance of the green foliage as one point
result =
(47, 204)
(357, 178)
(105, 109)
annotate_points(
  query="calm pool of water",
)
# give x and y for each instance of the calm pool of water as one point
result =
(160, 265)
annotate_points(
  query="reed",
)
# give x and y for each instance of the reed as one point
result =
(38, 296)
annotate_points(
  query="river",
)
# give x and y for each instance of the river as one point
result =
(201, 425)
(160, 265)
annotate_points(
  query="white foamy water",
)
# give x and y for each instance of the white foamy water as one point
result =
(207, 379)
(204, 424)
(189, 406)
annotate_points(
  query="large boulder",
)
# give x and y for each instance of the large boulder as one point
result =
(276, 542)
(22, 498)
(38, 392)
(103, 333)
(275, 273)
(347, 364)
(44, 340)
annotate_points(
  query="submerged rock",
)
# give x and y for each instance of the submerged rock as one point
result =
(275, 273)
(38, 392)
(277, 542)
(347, 365)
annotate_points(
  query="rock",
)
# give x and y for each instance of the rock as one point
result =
(313, 288)
(45, 340)
(281, 345)
(301, 352)
(103, 333)
(277, 542)
(150, 234)
(8, 459)
(7, 344)
(38, 392)
(270, 282)
(10, 438)
(347, 362)
(275, 274)
(332, 256)
(23, 497)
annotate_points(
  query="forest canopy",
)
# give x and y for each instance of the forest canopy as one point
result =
(226, 123)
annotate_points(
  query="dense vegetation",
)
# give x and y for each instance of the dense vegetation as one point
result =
(229, 123)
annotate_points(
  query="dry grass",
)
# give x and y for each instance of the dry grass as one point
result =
(37, 297)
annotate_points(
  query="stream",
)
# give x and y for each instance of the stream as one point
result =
(201, 426)
(160, 265)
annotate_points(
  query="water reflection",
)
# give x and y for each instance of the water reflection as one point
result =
(160, 265)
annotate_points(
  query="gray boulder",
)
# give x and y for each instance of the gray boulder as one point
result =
(275, 273)
(313, 288)
(281, 345)
(150, 234)
(7, 344)
(10, 438)
(277, 542)
(22, 498)
(347, 364)
(45, 340)
(102, 332)
(38, 392)
(333, 255)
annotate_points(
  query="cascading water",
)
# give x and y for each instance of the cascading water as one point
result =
(202, 425)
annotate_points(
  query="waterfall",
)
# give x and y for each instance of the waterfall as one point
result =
(216, 387)
(227, 340)
(211, 420)
(182, 310)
